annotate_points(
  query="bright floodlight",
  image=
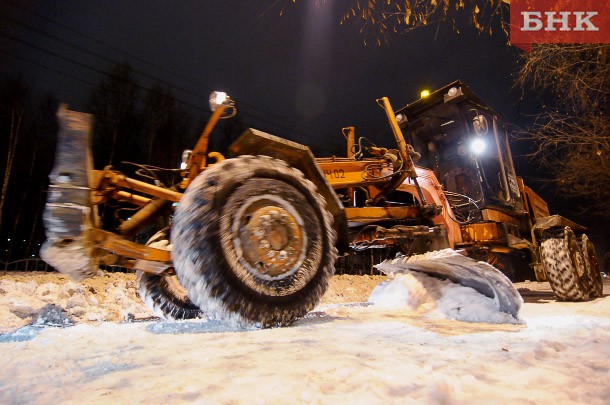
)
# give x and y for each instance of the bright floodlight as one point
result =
(424, 93)
(217, 98)
(186, 154)
(477, 146)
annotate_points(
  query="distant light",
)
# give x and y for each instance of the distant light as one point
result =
(182, 165)
(478, 146)
(424, 93)
(9, 239)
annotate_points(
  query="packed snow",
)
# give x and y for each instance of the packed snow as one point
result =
(418, 291)
(411, 339)
(501, 301)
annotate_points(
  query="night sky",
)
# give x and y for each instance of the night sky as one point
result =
(302, 75)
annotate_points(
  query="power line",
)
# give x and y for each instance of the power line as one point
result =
(59, 56)
(97, 55)
(47, 67)
(243, 113)
(241, 102)
(82, 34)
(192, 120)
(96, 70)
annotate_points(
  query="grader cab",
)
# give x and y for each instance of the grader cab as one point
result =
(494, 216)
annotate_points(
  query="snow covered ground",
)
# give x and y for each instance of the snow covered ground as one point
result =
(402, 349)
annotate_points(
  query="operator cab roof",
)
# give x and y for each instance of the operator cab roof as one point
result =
(443, 108)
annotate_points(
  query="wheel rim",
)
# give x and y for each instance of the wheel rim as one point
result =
(268, 237)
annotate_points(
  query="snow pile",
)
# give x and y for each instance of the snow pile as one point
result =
(466, 301)
(413, 290)
(357, 356)
(24, 297)
(341, 353)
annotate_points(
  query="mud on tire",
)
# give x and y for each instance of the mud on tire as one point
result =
(253, 241)
(565, 264)
(162, 293)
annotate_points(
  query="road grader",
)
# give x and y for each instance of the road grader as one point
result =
(255, 236)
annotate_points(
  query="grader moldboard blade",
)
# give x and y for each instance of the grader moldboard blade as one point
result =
(448, 264)
(68, 212)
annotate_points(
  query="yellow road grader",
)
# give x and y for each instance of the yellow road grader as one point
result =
(255, 236)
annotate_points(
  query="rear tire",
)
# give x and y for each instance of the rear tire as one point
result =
(593, 280)
(565, 265)
(253, 241)
(162, 293)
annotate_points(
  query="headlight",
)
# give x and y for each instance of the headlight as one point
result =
(477, 146)
(218, 98)
(400, 118)
(186, 154)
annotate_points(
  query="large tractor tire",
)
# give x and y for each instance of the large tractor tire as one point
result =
(253, 242)
(162, 293)
(565, 265)
(593, 281)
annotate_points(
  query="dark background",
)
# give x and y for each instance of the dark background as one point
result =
(302, 75)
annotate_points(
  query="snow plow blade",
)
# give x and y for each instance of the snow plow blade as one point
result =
(68, 213)
(448, 264)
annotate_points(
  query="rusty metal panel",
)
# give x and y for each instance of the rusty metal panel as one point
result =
(534, 204)
(69, 193)
(545, 223)
(69, 213)
(497, 216)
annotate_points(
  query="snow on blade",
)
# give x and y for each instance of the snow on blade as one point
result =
(476, 292)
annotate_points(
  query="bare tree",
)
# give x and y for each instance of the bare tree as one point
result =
(379, 20)
(174, 140)
(158, 109)
(113, 105)
(40, 138)
(572, 137)
(165, 123)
